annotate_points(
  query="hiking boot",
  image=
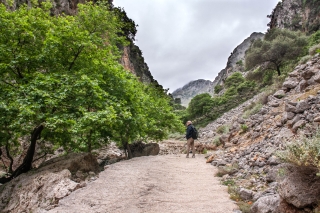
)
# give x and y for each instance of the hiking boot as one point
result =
(193, 156)
(187, 156)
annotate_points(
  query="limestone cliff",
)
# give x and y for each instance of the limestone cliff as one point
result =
(301, 15)
(193, 88)
(133, 61)
(236, 59)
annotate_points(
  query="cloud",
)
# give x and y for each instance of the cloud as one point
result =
(185, 40)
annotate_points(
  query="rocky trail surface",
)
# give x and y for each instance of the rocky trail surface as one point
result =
(170, 183)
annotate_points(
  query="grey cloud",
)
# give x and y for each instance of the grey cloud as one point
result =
(185, 40)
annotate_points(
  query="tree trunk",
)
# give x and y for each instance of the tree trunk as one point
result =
(9, 156)
(89, 143)
(28, 159)
(129, 151)
(278, 70)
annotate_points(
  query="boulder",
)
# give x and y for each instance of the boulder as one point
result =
(42, 188)
(245, 194)
(298, 125)
(303, 85)
(288, 116)
(291, 83)
(273, 160)
(279, 94)
(302, 106)
(266, 204)
(307, 74)
(316, 119)
(141, 149)
(316, 78)
(290, 108)
(224, 139)
(300, 187)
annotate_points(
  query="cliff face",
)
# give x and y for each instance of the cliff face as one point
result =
(301, 15)
(193, 88)
(236, 59)
(133, 61)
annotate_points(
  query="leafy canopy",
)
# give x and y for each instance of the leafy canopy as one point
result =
(278, 47)
(60, 75)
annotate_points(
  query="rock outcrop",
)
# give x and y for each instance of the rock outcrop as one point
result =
(193, 88)
(296, 15)
(236, 59)
(42, 188)
(291, 112)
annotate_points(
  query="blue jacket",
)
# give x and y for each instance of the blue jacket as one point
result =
(189, 131)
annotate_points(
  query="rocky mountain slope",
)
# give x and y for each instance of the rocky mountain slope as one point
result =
(249, 157)
(235, 61)
(193, 88)
(296, 15)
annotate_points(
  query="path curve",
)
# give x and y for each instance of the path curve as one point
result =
(154, 184)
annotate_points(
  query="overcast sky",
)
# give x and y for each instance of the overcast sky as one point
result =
(185, 40)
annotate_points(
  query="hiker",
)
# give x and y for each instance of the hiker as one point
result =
(190, 139)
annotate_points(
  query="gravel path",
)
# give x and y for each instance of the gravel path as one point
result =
(154, 184)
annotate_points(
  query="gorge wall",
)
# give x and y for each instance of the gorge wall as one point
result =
(301, 15)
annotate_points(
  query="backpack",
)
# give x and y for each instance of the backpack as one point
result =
(194, 133)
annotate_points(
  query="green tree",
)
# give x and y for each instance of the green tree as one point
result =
(199, 105)
(61, 81)
(278, 47)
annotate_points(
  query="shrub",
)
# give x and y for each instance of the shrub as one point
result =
(252, 111)
(216, 141)
(217, 89)
(244, 128)
(205, 151)
(234, 193)
(223, 129)
(227, 170)
(228, 182)
(314, 49)
(234, 80)
(240, 63)
(244, 206)
(303, 151)
(304, 59)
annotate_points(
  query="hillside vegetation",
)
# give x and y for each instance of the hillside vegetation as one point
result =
(267, 63)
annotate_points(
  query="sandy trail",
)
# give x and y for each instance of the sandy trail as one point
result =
(154, 184)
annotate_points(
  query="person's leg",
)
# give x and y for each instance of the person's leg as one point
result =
(193, 148)
(188, 146)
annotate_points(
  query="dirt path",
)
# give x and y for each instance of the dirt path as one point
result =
(163, 184)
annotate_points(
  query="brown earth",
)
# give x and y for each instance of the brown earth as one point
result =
(170, 183)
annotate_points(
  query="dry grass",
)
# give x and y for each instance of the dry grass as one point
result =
(308, 93)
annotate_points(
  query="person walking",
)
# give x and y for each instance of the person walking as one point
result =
(190, 139)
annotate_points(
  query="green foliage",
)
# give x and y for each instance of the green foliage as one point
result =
(228, 182)
(199, 105)
(278, 47)
(244, 128)
(240, 63)
(238, 90)
(234, 80)
(303, 151)
(314, 49)
(205, 151)
(61, 73)
(217, 89)
(223, 129)
(216, 141)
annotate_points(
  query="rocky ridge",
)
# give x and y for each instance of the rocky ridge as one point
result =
(235, 61)
(296, 15)
(193, 88)
(292, 111)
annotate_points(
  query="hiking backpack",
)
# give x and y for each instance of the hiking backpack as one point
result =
(194, 133)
